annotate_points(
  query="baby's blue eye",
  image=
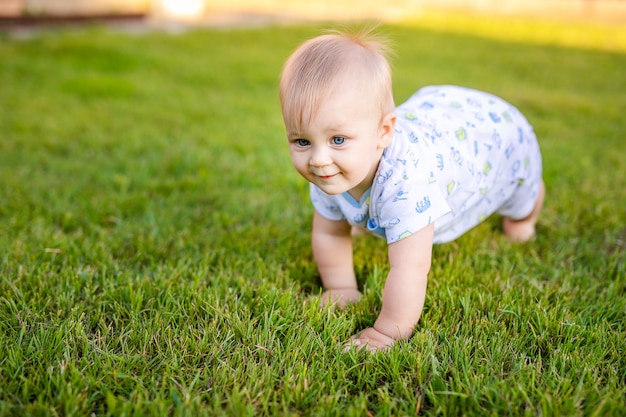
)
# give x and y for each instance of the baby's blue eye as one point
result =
(338, 140)
(302, 142)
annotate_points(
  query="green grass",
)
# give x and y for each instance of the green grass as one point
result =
(154, 238)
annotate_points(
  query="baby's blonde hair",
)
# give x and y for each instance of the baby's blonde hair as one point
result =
(319, 63)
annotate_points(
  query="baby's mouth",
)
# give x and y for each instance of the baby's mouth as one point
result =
(326, 177)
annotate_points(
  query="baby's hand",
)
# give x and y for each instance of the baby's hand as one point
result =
(371, 340)
(340, 297)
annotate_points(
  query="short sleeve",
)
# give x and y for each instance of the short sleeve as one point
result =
(408, 197)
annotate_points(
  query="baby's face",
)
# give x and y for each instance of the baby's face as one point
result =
(341, 146)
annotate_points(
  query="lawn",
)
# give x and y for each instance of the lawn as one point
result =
(154, 237)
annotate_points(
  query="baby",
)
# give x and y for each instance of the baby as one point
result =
(422, 173)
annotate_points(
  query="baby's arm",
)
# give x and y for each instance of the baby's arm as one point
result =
(332, 251)
(404, 292)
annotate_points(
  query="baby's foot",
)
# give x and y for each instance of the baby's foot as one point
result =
(523, 230)
(371, 340)
(519, 231)
(340, 297)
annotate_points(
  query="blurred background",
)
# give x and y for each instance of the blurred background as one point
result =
(251, 11)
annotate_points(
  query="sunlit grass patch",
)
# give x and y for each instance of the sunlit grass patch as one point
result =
(574, 33)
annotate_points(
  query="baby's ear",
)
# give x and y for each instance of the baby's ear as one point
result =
(387, 129)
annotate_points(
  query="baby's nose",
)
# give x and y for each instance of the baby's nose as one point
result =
(320, 158)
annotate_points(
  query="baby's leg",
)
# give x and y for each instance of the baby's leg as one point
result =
(524, 230)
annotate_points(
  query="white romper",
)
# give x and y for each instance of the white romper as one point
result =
(458, 156)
